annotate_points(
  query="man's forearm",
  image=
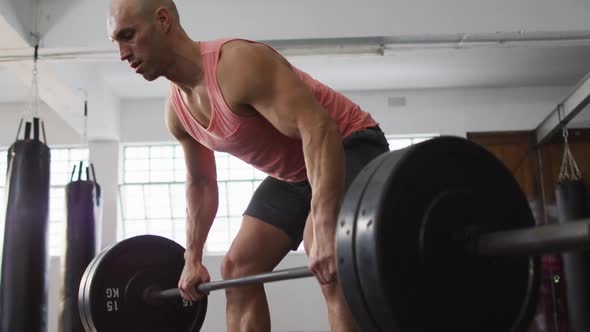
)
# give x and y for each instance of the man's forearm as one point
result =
(202, 202)
(324, 158)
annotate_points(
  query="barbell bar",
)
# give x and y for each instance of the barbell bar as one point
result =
(539, 240)
(281, 275)
(437, 236)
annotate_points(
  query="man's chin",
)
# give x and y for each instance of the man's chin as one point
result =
(149, 77)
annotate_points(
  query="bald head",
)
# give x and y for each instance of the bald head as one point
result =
(142, 8)
(128, 13)
(149, 7)
(146, 32)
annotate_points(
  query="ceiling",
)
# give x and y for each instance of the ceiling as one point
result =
(404, 69)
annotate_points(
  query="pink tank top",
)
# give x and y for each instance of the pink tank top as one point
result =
(253, 139)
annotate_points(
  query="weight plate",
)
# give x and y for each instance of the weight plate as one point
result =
(82, 301)
(346, 265)
(411, 241)
(112, 297)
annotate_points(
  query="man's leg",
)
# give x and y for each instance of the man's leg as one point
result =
(339, 313)
(257, 248)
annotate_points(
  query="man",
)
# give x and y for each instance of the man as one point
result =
(243, 98)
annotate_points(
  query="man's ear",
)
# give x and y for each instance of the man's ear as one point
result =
(163, 18)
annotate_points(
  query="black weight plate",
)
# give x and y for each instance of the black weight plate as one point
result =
(83, 293)
(417, 271)
(82, 301)
(346, 265)
(110, 306)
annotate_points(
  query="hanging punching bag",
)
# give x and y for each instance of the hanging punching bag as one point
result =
(24, 277)
(572, 203)
(83, 202)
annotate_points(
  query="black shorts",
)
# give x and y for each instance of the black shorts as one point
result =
(286, 205)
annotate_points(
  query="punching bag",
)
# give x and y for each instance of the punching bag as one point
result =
(24, 277)
(83, 202)
(572, 203)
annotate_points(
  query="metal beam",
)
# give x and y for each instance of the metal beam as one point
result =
(565, 111)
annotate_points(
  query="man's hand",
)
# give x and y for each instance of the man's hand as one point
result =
(322, 257)
(193, 274)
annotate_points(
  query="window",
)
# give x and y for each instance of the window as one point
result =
(397, 142)
(62, 162)
(152, 196)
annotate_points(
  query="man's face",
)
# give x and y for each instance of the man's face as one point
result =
(138, 40)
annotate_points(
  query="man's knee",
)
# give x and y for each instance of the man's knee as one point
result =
(234, 266)
(230, 267)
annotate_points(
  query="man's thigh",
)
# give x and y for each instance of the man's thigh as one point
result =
(283, 205)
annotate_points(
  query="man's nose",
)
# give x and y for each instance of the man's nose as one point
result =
(124, 52)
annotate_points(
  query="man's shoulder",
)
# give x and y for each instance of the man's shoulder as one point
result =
(239, 54)
(229, 42)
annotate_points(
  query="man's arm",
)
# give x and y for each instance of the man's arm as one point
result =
(201, 187)
(254, 75)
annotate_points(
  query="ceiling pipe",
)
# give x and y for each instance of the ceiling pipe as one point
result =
(499, 39)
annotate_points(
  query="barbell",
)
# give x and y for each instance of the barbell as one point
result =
(434, 237)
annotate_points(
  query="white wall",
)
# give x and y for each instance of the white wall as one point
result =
(452, 111)
(458, 111)
(143, 121)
